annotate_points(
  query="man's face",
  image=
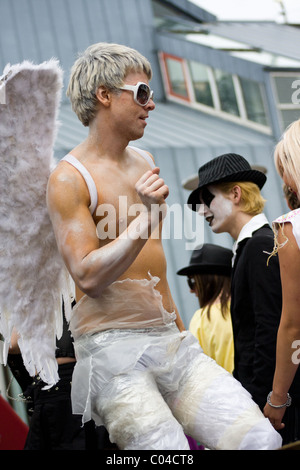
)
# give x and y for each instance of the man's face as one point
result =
(218, 208)
(129, 117)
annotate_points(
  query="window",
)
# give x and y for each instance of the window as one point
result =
(287, 94)
(253, 101)
(226, 91)
(215, 91)
(176, 77)
(201, 84)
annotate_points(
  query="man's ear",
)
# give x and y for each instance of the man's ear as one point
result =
(103, 95)
(236, 194)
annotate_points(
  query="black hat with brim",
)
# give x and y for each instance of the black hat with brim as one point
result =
(225, 168)
(209, 259)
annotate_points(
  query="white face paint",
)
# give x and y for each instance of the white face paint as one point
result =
(219, 210)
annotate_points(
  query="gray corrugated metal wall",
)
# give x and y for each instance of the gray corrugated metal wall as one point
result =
(40, 29)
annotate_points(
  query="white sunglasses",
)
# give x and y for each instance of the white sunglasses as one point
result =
(142, 93)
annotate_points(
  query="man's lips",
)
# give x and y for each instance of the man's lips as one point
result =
(209, 219)
(143, 118)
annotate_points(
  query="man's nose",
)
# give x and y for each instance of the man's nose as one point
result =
(150, 105)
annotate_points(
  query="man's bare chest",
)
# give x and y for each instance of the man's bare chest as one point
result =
(118, 203)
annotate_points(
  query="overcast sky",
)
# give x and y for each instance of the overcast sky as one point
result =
(252, 10)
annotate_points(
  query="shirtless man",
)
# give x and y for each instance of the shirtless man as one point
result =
(138, 372)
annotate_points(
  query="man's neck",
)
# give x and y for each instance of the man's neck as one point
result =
(241, 219)
(102, 141)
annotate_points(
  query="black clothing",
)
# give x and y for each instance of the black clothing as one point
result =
(19, 371)
(52, 425)
(291, 419)
(65, 345)
(255, 311)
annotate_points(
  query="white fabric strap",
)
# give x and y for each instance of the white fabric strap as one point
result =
(144, 154)
(88, 179)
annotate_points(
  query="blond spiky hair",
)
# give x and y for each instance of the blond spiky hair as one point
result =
(102, 64)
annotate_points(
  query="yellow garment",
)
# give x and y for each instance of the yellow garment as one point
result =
(215, 335)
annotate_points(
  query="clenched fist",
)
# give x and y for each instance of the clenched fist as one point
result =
(152, 189)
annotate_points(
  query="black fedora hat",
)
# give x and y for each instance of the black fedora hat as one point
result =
(225, 168)
(208, 259)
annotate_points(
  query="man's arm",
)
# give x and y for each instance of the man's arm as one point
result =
(92, 267)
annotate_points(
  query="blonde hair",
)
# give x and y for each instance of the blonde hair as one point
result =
(287, 153)
(251, 199)
(101, 64)
(287, 160)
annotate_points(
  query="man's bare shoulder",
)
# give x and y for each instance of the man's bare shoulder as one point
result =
(66, 186)
(63, 172)
(142, 155)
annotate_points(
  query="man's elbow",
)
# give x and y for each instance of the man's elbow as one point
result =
(89, 286)
(90, 281)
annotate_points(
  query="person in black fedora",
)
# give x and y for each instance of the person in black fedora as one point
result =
(208, 275)
(229, 191)
(225, 168)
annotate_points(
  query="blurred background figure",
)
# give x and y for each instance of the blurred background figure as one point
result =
(209, 277)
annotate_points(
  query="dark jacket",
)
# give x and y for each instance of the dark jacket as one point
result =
(256, 308)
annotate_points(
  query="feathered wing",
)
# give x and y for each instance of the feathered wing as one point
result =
(33, 278)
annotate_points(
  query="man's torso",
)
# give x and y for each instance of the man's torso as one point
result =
(118, 204)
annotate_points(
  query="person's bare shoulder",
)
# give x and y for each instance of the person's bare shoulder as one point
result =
(66, 188)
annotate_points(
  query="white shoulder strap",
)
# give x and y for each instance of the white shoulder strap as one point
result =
(88, 179)
(144, 154)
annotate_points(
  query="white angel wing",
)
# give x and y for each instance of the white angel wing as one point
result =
(33, 278)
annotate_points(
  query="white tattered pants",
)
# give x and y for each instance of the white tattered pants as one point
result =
(168, 389)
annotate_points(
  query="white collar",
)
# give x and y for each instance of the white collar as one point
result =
(254, 224)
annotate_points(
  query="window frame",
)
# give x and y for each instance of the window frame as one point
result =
(216, 109)
(264, 101)
(283, 106)
(167, 79)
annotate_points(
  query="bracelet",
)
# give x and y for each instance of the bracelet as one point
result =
(287, 403)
